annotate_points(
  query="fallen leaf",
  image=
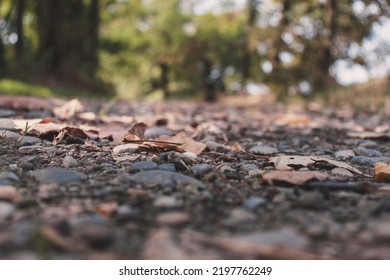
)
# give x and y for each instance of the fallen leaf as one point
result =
(237, 148)
(293, 177)
(68, 110)
(382, 172)
(138, 130)
(187, 143)
(370, 135)
(72, 135)
(113, 131)
(295, 162)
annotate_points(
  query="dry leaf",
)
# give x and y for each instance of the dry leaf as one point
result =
(113, 131)
(237, 148)
(295, 162)
(72, 135)
(138, 130)
(187, 143)
(382, 172)
(292, 177)
(68, 110)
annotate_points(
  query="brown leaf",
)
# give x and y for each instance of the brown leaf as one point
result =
(382, 172)
(294, 162)
(113, 131)
(68, 110)
(292, 177)
(187, 143)
(71, 135)
(138, 130)
(237, 148)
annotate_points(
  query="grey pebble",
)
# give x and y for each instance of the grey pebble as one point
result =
(69, 162)
(30, 149)
(155, 132)
(125, 148)
(363, 160)
(153, 178)
(248, 167)
(144, 165)
(201, 169)
(167, 167)
(254, 202)
(165, 201)
(344, 154)
(9, 134)
(29, 140)
(362, 151)
(56, 175)
(239, 215)
(264, 150)
(8, 178)
(6, 210)
(338, 171)
(6, 113)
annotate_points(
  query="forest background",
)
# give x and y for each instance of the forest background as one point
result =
(175, 49)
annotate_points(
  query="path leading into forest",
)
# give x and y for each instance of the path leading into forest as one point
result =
(131, 180)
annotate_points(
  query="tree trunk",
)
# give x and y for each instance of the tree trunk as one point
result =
(19, 28)
(210, 94)
(164, 80)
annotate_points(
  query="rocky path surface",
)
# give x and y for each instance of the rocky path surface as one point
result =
(130, 180)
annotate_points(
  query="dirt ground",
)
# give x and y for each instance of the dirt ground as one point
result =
(132, 180)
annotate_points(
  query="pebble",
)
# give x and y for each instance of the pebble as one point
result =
(264, 150)
(363, 160)
(30, 149)
(29, 140)
(155, 132)
(9, 193)
(201, 169)
(344, 154)
(9, 134)
(361, 151)
(28, 162)
(165, 201)
(286, 237)
(8, 177)
(225, 168)
(238, 216)
(6, 113)
(368, 144)
(248, 167)
(173, 218)
(6, 210)
(125, 148)
(212, 146)
(254, 202)
(167, 167)
(153, 178)
(338, 171)
(144, 165)
(69, 162)
(56, 175)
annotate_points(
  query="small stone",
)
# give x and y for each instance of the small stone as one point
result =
(8, 178)
(6, 210)
(47, 191)
(166, 202)
(125, 148)
(254, 202)
(201, 169)
(368, 144)
(254, 173)
(239, 215)
(69, 162)
(225, 168)
(6, 113)
(173, 218)
(9, 134)
(248, 167)
(154, 178)
(155, 132)
(264, 150)
(29, 140)
(9, 193)
(212, 146)
(30, 149)
(56, 175)
(167, 167)
(344, 155)
(7, 124)
(362, 151)
(144, 165)
(338, 171)
(363, 160)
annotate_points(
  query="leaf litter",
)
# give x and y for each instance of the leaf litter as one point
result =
(125, 181)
